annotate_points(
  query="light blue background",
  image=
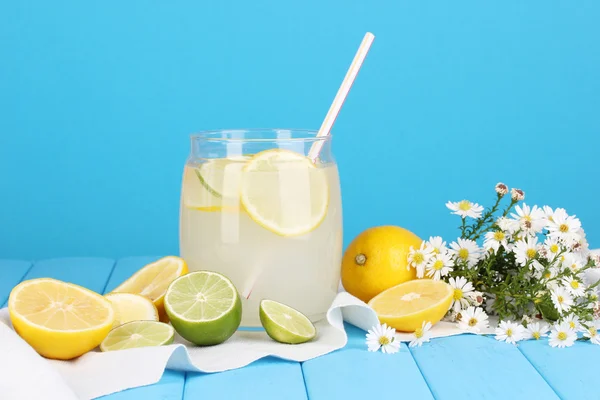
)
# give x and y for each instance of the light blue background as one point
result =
(97, 100)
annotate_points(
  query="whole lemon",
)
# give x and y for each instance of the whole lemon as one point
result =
(376, 260)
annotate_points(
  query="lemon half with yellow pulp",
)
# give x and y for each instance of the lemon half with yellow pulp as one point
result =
(284, 192)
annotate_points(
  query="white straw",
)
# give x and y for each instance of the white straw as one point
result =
(327, 124)
(341, 95)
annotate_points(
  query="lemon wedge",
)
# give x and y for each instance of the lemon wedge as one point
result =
(284, 192)
(59, 320)
(131, 307)
(406, 306)
(153, 280)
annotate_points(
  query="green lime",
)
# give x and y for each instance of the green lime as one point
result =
(285, 324)
(204, 307)
(138, 334)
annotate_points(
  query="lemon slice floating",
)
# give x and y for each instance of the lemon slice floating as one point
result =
(59, 320)
(284, 192)
(138, 334)
(132, 307)
(405, 306)
(153, 280)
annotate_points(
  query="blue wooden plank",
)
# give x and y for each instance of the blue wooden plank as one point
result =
(355, 373)
(11, 273)
(571, 371)
(170, 386)
(265, 379)
(91, 273)
(126, 267)
(479, 367)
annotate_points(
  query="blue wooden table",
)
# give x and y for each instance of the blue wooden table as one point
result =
(465, 366)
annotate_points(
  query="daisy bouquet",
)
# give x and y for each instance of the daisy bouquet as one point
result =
(524, 264)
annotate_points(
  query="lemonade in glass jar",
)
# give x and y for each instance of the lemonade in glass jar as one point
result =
(257, 209)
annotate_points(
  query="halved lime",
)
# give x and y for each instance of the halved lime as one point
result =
(138, 334)
(285, 324)
(204, 307)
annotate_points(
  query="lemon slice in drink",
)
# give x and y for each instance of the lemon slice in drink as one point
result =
(204, 307)
(59, 320)
(285, 324)
(284, 192)
(153, 280)
(132, 307)
(213, 185)
(406, 306)
(138, 334)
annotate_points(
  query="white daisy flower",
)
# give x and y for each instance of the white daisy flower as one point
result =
(418, 258)
(561, 299)
(437, 244)
(572, 261)
(422, 335)
(462, 290)
(476, 298)
(465, 251)
(536, 330)
(562, 335)
(531, 220)
(473, 320)
(525, 250)
(517, 194)
(438, 266)
(507, 225)
(493, 241)
(573, 321)
(465, 208)
(552, 247)
(574, 285)
(592, 332)
(384, 338)
(564, 227)
(501, 189)
(509, 332)
(595, 258)
(548, 213)
(580, 244)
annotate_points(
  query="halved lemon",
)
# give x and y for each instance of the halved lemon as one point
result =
(153, 280)
(284, 192)
(132, 307)
(214, 185)
(405, 306)
(59, 320)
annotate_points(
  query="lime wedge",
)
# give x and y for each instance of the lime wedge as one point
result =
(285, 324)
(213, 184)
(204, 307)
(138, 334)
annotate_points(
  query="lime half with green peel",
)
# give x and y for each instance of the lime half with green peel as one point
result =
(138, 334)
(285, 324)
(204, 307)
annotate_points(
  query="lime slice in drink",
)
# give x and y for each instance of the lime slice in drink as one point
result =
(138, 334)
(284, 192)
(214, 184)
(285, 324)
(204, 307)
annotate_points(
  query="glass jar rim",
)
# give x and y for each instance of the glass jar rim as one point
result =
(260, 135)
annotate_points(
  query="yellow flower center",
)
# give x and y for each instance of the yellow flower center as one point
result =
(548, 275)
(436, 250)
(463, 254)
(560, 299)
(550, 219)
(439, 264)
(562, 336)
(593, 331)
(383, 340)
(499, 235)
(458, 294)
(527, 218)
(509, 332)
(574, 284)
(564, 228)
(473, 322)
(536, 335)
(554, 248)
(418, 258)
(419, 333)
(531, 253)
(572, 324)
(464, 205)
